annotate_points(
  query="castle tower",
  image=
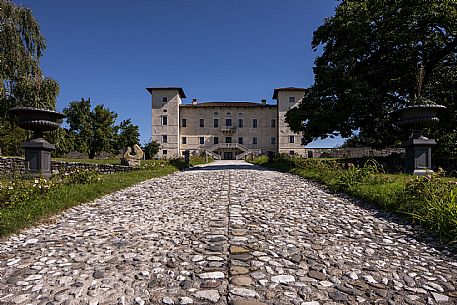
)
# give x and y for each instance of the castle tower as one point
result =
(165, 119)
(288, 142)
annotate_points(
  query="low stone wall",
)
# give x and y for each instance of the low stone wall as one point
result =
(10, 167)
(356, 152)
(59, 166)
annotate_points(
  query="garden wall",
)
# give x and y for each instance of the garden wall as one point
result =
(353, 152)
(9, 167)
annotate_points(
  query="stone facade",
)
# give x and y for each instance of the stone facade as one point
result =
(11, 167)
(228, 130)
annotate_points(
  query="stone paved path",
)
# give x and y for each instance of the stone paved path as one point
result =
(227, 233)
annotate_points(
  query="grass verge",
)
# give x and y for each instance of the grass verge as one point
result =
(430, 200)
(37, 209)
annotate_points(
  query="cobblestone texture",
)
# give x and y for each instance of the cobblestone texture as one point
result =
(228, 233)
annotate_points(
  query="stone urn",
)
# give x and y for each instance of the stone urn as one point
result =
(418, 158)
(37, 150)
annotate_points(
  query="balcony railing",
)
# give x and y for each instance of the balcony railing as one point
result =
(228, 128)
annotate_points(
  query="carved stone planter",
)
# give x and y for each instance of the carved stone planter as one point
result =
(418, 158)
(37, 150)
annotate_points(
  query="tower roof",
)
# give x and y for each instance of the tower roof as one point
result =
(180, 90)
(276, 91)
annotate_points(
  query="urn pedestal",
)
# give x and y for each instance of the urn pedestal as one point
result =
(418, 148)
(38, 157)
(418, 156)
(37, 150)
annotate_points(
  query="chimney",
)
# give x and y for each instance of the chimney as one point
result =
(194, 101)
(264, 101)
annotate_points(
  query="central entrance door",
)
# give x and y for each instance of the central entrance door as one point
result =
(228, 155)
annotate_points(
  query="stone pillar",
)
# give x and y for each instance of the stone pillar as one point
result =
(270, 155)
(187, 157)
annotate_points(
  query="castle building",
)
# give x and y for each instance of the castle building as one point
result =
(226, 130)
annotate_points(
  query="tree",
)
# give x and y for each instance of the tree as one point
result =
(22, 45)
(21, 79)
(354, 141)
(379, 55)
(63, 140)
(94, 131)
(127, 134)
(151, 149)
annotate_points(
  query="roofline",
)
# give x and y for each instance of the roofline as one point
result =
(229, 104)
(276, 91)
(180, 90)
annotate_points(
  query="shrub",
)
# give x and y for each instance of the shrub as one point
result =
(21, 190)
(432, 201)
(79, 177)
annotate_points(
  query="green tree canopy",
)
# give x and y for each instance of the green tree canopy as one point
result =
(128, 134)
(93, 131)
(151, 149)
(21, 46)
(21, 79)
(379, 55)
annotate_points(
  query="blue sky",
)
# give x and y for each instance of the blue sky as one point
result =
(239, 50)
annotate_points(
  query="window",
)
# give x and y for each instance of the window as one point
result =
(240, 123)
(164, 120)
(310, 154)
(164, 139)
(254, 141)
(164, 152)
(291, 139)
(202, 140)
(184, 140)
(254, 123)
(240, 140)
(273, 123)
(273, 140)
(291, 152)
(228, 139)
(183, 123)
(216, 140)
(228, 122)
(216, 123)
(292, 99)
(202, 122)
(164, 99)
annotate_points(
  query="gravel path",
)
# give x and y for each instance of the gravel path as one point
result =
(225, 233)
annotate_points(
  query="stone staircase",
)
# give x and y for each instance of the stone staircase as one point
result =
(245, 150)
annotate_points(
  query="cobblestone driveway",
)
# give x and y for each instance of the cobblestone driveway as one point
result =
(227, 233)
